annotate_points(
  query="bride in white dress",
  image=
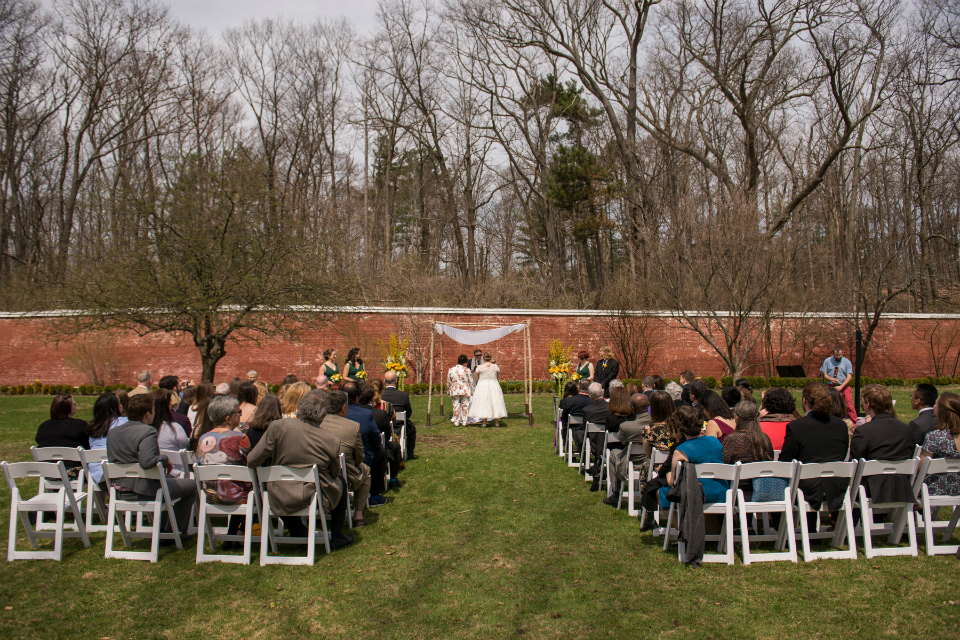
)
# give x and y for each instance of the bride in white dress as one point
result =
(487, 401)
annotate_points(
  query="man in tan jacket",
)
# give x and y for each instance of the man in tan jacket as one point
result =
(300, 442)
(351, 446)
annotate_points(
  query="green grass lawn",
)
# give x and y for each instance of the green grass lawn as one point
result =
(489, 536)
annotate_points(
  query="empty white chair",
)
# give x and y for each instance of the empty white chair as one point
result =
(751, 471)
(712, 471)
(844, 528)
(931, 505)
(249, 509)
(903, 510)
(572, 420)
(279, 473)
(56, 501)
(58, 454)
(400, 417)
(161, 503)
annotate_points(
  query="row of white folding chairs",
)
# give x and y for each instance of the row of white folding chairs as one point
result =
(70, 493)
(855, 497)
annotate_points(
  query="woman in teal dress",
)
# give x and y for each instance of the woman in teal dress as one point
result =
(352, 365)
(585, 367)
(698, 449)
(329, 367)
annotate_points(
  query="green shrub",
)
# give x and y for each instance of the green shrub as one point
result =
(4, 388)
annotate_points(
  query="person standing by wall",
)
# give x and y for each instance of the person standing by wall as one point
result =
(838, 373)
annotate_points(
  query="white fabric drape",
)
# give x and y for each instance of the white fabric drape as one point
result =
(464, 336)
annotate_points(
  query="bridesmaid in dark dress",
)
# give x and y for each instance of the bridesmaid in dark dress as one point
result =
(329, 367)
(584, 366)
(353, 365)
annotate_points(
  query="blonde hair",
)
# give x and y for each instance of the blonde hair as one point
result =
(292, 395)
(487, 357)
(262, 390)
(880, 399)
(607, 352)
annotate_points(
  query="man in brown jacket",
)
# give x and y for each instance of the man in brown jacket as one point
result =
(351, 446)
(300, 442)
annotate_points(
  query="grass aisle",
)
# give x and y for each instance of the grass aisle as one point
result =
(490, 536)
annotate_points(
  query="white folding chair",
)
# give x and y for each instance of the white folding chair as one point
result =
(903, 510)
(52, 485)
(45, 501)
(114, 472)
(712, 471)
(96, 499)
(278, 473)
(589, 429)
(844, 529)
(604, 472)
(776, 455)
(346, 483)
(931, 504)
(572, 420)
(633, 473)
(745, 509)
(400, 417)
(248, 509)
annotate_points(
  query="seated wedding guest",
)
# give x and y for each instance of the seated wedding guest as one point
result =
(186, 400)
(746, 391)
(646, 386)
(840, 409)
(674, 389)
(819, 436)
(631, 431)
(732, 396)
(205, 391)
(288, 380)
(144, 378)
(718, 415)
(63, 430)
(135, 441)
(923, 399)
(698, 449)
(597, 413)
(170, 436)
(632, 389)
(394, 452)
(223, 389)
(686, 379)
(262, 390)
(322, 382)
(123, 398)
(382, 419)
(697, 389)
(290, 397)
(685, 399)
(106, 415)
(300, 442)
(267, 411)
(247, 396)
(620, 409)
(944, 442)
(748, 443)
(778, 408)
(234, 387)
(657, 434)
(351, 445)
(374, 454)
(883, 437)
(401, 402)
(573, 397)
(225, 444)
(172, 383)
(658, 383)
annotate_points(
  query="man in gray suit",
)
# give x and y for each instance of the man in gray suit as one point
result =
(922, 400)
(351, 446)
(136, 441)
(300, 442)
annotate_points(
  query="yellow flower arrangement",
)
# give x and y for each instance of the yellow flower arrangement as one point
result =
(559, 369)
(336, 378)
(395, 357)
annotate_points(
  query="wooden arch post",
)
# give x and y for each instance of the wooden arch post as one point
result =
(430, 364)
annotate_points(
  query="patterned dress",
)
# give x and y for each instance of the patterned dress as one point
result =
(659, 437)
(941, 444)
(460, 388)
(228, 447)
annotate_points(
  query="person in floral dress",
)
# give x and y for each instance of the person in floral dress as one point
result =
(460, 388)
(944, 442)
(657, 434)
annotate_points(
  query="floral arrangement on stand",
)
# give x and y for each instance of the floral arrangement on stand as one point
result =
(559, 357)
(395, 353)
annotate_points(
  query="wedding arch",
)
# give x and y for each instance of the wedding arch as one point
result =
(477, 333)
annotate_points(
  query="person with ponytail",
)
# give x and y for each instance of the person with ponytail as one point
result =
(944, 442)
(748, 443)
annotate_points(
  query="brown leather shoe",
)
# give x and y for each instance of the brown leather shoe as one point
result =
(359, 523)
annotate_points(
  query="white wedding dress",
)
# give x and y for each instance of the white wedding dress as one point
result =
(487, 401)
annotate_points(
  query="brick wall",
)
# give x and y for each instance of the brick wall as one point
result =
(900, 347)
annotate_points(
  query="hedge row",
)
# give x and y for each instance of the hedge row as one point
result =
(38, 388)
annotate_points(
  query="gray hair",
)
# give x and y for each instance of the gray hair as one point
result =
(674, 390)
(251, 373)
(614, 384)
(220, 408)
(335, 401)
(144, 377)
(312, 409)
(390, 377)
(223, 387)
(595, 390)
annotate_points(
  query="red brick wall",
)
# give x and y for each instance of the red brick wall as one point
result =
(899, 348)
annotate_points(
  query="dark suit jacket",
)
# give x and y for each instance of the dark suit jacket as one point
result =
(604, 375)
(182, 409)
(573, 406)
(136, 442)
(925, 422)
(597, 413)
(294, 443)
(382, 420)
(886, 438)
(399, 399)
(818, 437)
(368, 430)
(473, 363)
(351, 445)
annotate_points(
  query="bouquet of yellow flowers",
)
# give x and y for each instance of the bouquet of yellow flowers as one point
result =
(336, 378)
(559, 364)
(361, 375)
(395, 358)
